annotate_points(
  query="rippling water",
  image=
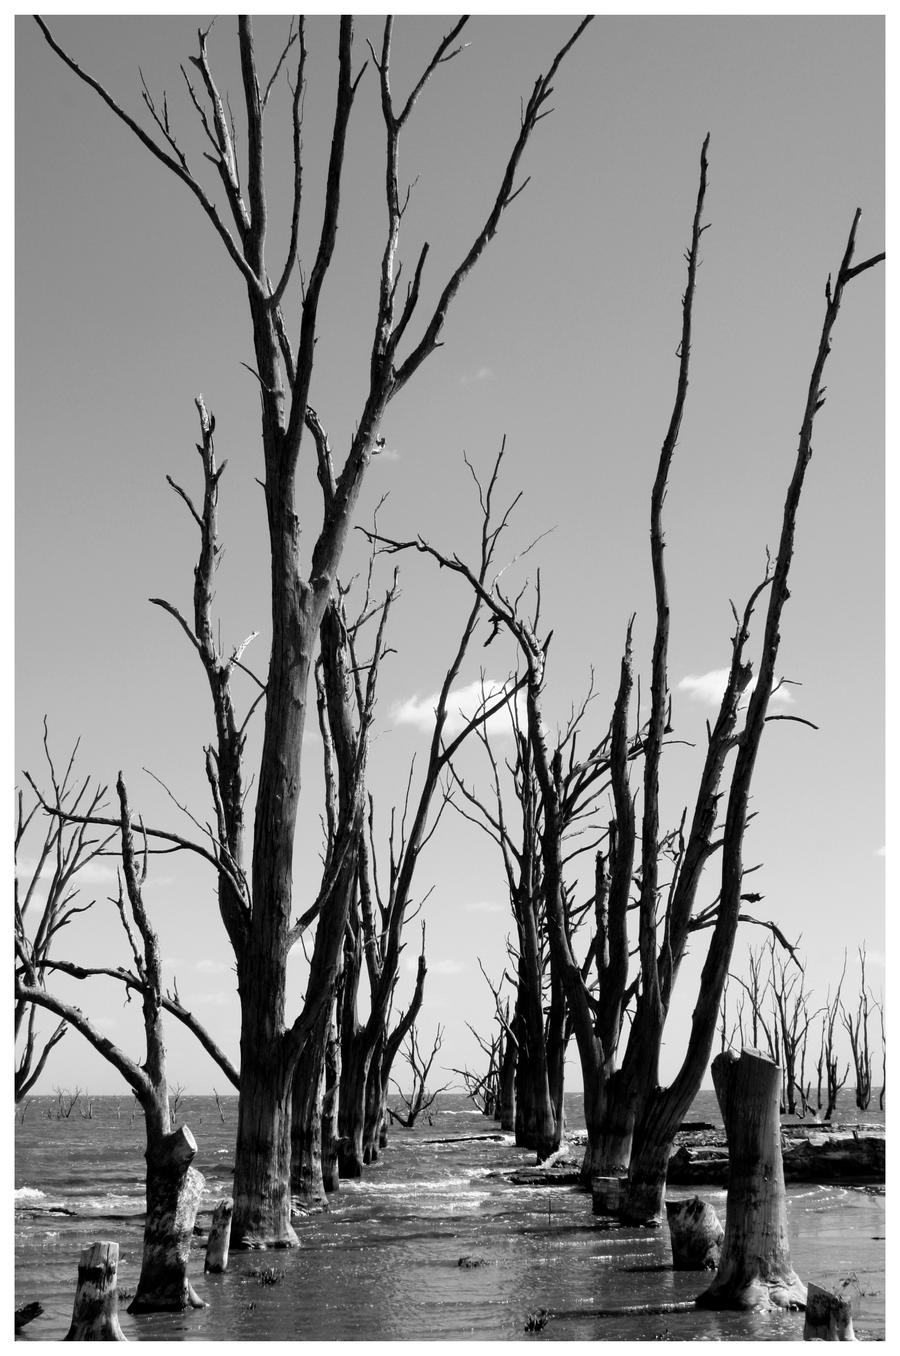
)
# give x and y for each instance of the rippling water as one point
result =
(383, 1262)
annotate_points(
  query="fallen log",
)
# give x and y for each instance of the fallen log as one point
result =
(816, 1157)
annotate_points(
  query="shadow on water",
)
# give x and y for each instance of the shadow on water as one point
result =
(384, 1262)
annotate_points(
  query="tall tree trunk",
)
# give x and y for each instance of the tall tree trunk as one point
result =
(505, 1109)
(330, 1132)
(374, 1111)
(609, 1119)
(355, 1061)
(262, 1197)
(307, 1184)
(755, 1270)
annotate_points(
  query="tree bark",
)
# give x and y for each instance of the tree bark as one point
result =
(307, 1184)
(330, 1132)
(505, 1109)
(174, 1189)
(755, 1269)
(262, 1197)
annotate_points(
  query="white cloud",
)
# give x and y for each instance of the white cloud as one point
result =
(881, 852)
(483, 374)
(98, 871)
(441, 967)
(212, 967)
(462, 704)
(708, 688)
(214, 1000)
(386, 454)
(484, 906)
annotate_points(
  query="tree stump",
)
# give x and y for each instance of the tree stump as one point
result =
(95, 1317)
(755, 1269)
(829, 1318)
(219, 1237)
(606, 1194)
(696, 1233)
(173, 1194)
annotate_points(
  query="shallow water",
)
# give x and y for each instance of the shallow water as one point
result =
(383, 1262)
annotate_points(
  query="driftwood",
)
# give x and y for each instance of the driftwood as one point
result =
(755, 1270)
(808, 1155)
(696, 1233)
(27, 1312)
(219, 1237)
(95, 1317)
(828, 1317)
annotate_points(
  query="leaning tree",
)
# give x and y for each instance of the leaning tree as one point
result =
(256, 905)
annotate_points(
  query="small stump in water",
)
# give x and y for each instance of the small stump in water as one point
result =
(755, 1269)
(696, 1233)
(607, 1194)
(828, 1317)
(219, 1236)
(95, 1317)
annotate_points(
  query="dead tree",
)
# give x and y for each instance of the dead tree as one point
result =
(664, 1108)
(631, 1119)
(173, 1186)
(256, 907)
(375, 931)
(537, 1030)
(63, 852)
(779, 1009)
(828, 1058)
(856, 1024)
(792, 1014)
(419, 1098)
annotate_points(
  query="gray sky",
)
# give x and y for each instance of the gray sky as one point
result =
(563, 340)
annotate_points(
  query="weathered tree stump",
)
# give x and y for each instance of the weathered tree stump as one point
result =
(755, 1269)
(829, 1318)
(173, 1194)
(606, 1194)
(696, 1233)
(219, 1237)
(95, 1317)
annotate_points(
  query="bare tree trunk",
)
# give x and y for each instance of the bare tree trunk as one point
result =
(307, 1184)
(330, 1132)
(505, 1109)
(755, 1270)
(374, 1106)
(174, 1189)
(262, 1197)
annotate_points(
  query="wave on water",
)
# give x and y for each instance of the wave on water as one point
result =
(27, 1193)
